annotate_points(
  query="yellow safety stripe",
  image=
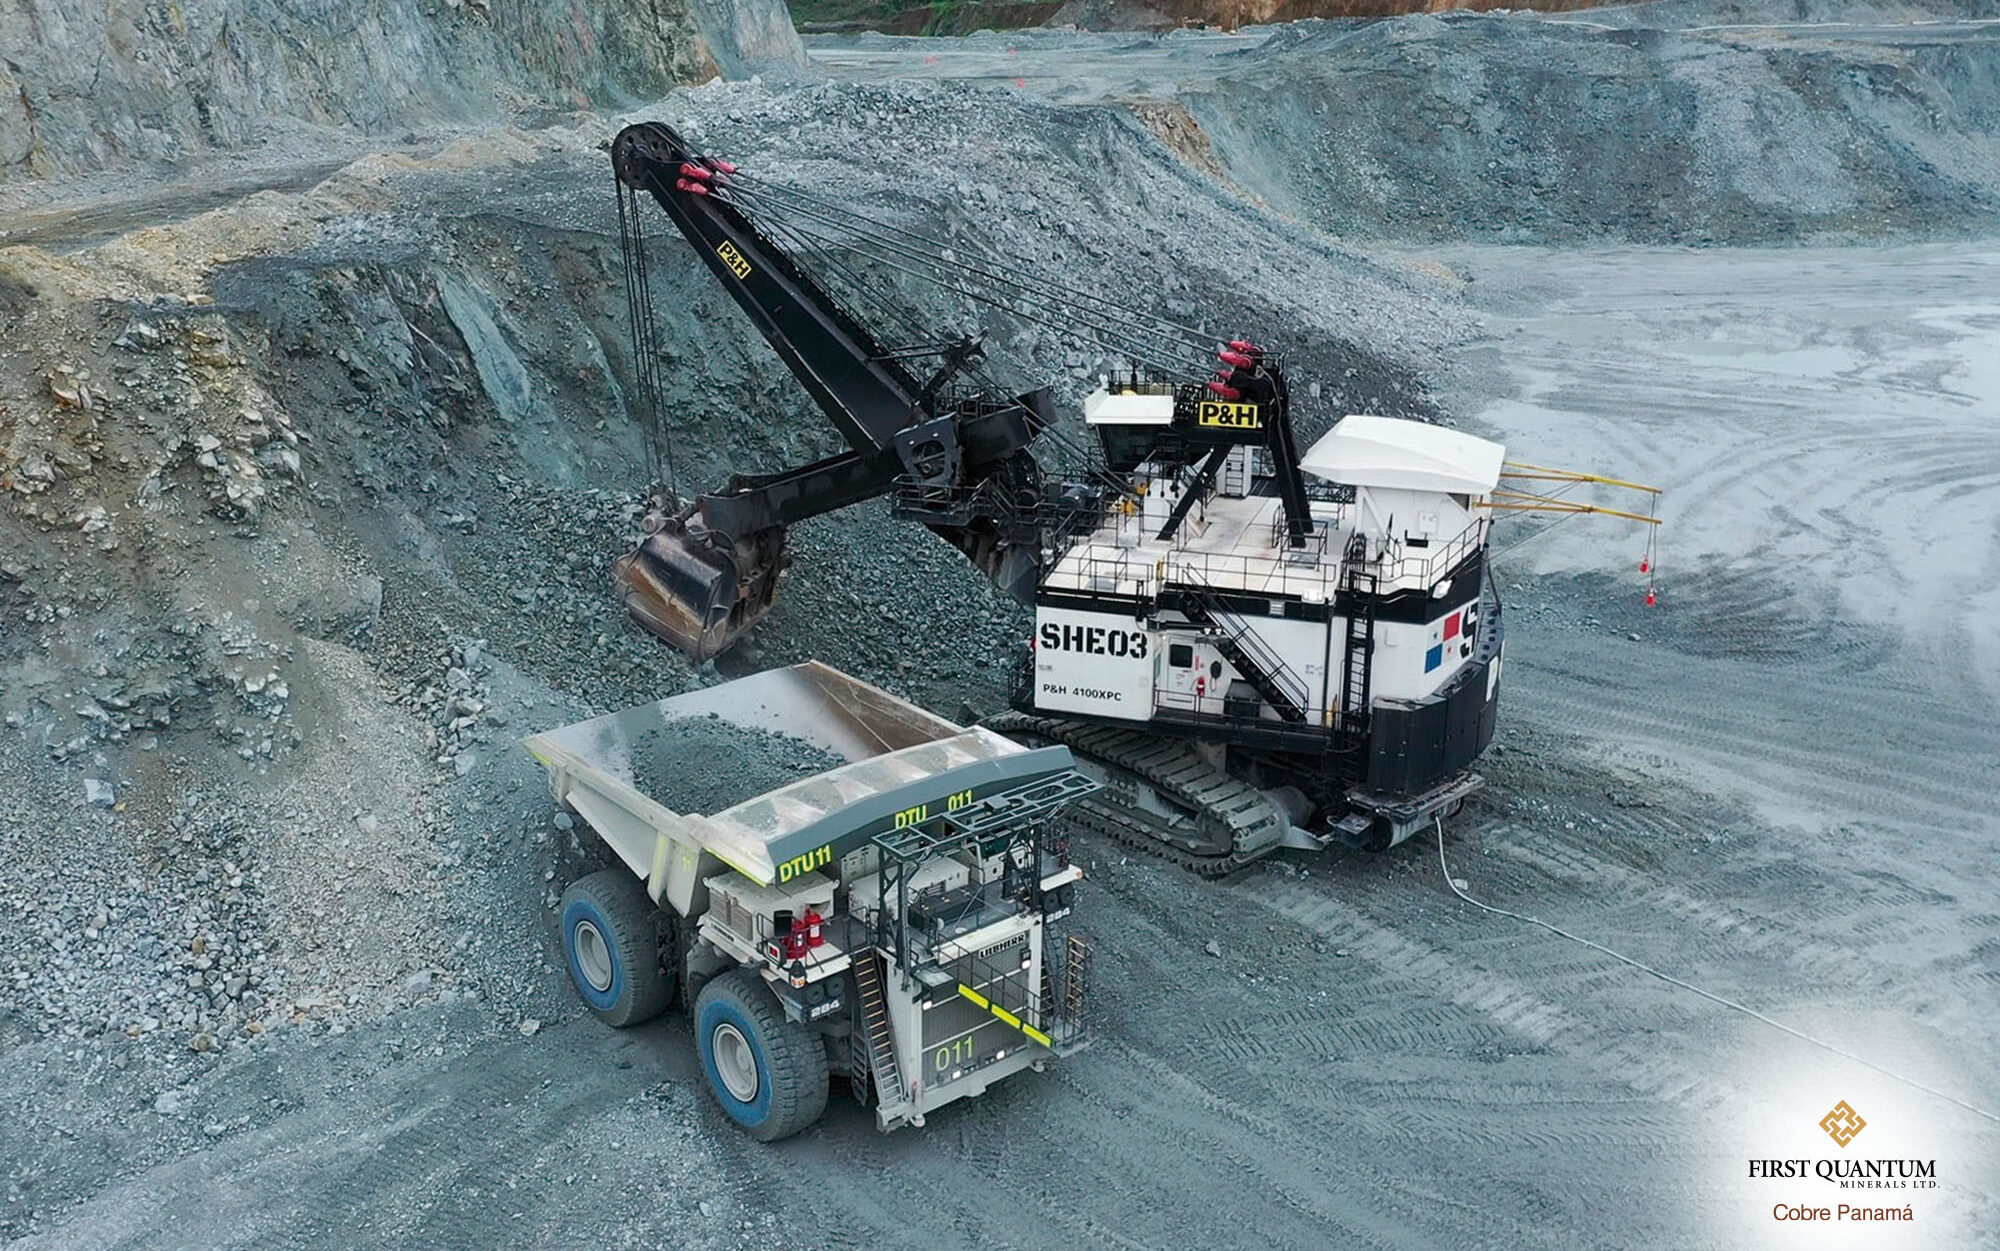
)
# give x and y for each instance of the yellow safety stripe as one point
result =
(1004, 1015)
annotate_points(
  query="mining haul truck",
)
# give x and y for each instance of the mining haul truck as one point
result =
(888, 920)
(1249, 645)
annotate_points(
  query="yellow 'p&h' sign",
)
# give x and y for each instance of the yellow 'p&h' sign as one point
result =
(1224, 416)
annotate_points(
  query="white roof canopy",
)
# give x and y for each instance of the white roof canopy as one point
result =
(1127, 408)
(1406, 455)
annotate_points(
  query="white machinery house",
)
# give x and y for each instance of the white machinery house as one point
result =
(1323, 624)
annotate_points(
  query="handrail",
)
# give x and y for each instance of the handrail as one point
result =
(1046, 1020)
(1394, 562)
(1316, 537)
(1152, 574)
(1427, 561)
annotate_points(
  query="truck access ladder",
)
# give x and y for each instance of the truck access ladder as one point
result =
(872, 1050)
(1060, 1004)
(1073, 980)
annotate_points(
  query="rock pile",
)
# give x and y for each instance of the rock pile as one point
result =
(175, 948)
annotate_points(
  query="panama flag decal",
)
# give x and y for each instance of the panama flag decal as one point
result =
(1457, 626)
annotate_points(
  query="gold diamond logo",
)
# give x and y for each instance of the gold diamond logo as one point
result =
(1842, 1124)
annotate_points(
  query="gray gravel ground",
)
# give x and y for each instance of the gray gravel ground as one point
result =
(284, 580)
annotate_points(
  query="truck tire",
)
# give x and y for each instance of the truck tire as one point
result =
(768, 1072)
(611, 942)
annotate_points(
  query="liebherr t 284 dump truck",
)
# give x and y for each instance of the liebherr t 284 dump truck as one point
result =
(887, 920)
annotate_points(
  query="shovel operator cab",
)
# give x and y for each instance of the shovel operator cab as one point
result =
(887, 921)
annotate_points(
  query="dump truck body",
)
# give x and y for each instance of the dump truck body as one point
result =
(896, 905)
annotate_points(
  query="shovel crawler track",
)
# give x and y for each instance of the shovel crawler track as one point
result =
(1160, 796)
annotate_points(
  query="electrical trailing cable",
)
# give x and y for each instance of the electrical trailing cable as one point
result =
(1710, 995)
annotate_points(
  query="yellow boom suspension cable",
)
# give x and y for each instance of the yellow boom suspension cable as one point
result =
(1523, 501)
(1523, 470)
(1509, 499)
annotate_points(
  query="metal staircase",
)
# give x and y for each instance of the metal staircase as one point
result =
(1361, 581)
(1248, 654)
(871, 1050)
